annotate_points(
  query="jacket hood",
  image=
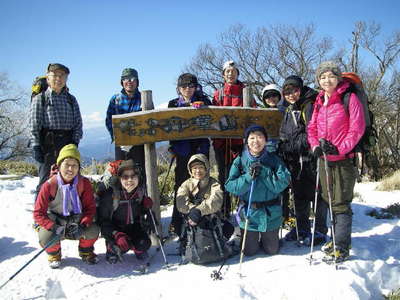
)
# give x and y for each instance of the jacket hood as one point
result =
(203, 159)
(341, 88)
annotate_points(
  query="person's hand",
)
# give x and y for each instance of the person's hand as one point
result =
(58, 229)
(126, 148)
(121, 240)
(73, 231)
(317, 152)
(327, 147)
(191, 223)
(255, 169)
(38, 154)
(86, 221)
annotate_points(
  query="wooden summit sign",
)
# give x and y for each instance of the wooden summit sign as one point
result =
(188, 123)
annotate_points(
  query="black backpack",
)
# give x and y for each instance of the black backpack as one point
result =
(206, 244)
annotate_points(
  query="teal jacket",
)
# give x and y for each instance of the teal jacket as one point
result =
(266, 211)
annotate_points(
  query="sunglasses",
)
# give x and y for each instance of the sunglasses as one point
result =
(190, 86)
(291, 92)
(129, 79)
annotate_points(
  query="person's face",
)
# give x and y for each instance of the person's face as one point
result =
(230, 75)
(198, 171)
(187, 90)
(272, 101)
(129, 180)
(57, 80)
(292, 94)
(328, 82)
(69, 168)
(256, 142)
(130, 85)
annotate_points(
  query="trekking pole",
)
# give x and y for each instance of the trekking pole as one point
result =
(245, 227)
(159, 238)
(315, 212)
(166, 176)
(330, 209)
(291, 195)
(49, 243)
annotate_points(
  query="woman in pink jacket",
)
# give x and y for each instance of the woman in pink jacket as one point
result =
(333, 132)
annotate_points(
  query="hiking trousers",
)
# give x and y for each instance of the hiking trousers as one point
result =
(268, 241)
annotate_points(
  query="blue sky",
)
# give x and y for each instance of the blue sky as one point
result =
(97, 39)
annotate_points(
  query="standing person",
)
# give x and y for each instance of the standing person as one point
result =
(190, 94)
(271, 95)
(55, 120)
(123, 214)
(333, 133)
(65, 207)
(127, 101)
(296, 153)
(270, 177)
(231, 94)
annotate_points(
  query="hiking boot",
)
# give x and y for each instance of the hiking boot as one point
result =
(327, 248)
(111, 257)
(54, 260)
(142, 255)
(289, 223)
(292, 235)
(89, 257)
(338, 256)
(319, 238)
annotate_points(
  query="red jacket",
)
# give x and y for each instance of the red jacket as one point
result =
(40, 215)
(334, 123)
(232, 96)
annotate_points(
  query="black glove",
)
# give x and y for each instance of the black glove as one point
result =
(147, 222)
(327, 147)
(317, 152)
(255, 169)
(73, 231)
(38, 154)
(58, 229)
(195, 215)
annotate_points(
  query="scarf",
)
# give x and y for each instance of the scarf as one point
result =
(71, 201)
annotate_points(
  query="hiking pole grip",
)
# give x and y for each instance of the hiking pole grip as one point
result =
(49, 243)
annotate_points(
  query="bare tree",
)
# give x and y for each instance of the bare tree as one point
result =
(267, 55)
(13, 120)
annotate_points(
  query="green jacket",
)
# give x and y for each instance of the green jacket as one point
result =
(265, 212)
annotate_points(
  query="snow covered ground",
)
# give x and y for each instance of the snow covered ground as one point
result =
(374, 267)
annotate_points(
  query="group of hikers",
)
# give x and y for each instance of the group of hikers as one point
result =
(311, 164)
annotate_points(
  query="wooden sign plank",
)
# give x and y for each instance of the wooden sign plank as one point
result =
(189, 123)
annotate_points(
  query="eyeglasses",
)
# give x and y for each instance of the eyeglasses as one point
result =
(291, 92)
(127, 177)
(190, 86)
(129, 79)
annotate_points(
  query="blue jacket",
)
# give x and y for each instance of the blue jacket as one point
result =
(265, 212)
(121, 104)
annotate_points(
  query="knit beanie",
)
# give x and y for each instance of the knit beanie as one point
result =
(227, 64)
(69, 151)
(186, 79)
(254, 128)
(294, 81)
(328, 66)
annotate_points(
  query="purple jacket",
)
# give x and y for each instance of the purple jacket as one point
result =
(333, 122)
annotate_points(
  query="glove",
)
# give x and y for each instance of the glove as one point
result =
(147, 202)
(195, 215)
(73, 231)
(197, 104)
(255, 169)
(327, 147)
(317, 152)
(126, 148)
(38, 154)
(58, 229)
(86, 221)
(147, 222)
(121, 240)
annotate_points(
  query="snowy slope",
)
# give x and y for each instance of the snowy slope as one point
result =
(374, 267)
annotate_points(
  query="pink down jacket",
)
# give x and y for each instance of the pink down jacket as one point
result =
(333, 123)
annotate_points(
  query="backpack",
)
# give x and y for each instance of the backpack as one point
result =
(369, 138)
(206, 244)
